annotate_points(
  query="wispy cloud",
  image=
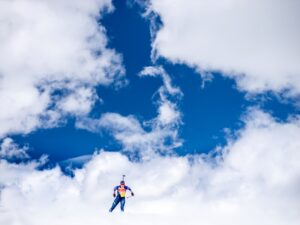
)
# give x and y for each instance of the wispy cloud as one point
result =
(145, 138)
(159, 71)
(10, 150)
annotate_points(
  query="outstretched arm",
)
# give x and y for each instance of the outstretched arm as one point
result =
(129, 189)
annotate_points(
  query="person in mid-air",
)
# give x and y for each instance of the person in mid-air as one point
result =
(120, 196)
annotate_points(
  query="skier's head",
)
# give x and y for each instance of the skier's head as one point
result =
(122, 182)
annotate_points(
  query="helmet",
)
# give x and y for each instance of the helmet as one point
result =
(122, 182)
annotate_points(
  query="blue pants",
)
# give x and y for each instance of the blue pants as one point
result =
(118, 200)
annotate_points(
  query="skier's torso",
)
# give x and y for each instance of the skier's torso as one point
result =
(122, 190)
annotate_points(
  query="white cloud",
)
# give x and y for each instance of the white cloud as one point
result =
(10, 150)
(145, 140)
(48, 47)
(159, 71)
(80, 101)
(255, 42)
(255, 180)
(168, 112)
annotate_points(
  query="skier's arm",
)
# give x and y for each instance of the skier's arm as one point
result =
(129, 189)
(115, 189)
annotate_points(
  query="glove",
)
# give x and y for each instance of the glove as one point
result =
(132, 194)
(114, 195)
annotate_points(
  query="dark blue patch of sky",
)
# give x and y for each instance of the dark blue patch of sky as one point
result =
(206, 111)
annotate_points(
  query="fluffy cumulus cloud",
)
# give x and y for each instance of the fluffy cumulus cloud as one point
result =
(254, 42)
(254, 180)
(10, 150)
(53, 54)
(143, 139)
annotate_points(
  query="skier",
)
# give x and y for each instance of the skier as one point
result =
(120, 196)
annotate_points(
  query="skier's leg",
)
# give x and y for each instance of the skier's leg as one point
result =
(122, 201)
(115, 203)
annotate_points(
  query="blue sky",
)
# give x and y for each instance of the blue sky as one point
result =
(207, 110)
(198, 101)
